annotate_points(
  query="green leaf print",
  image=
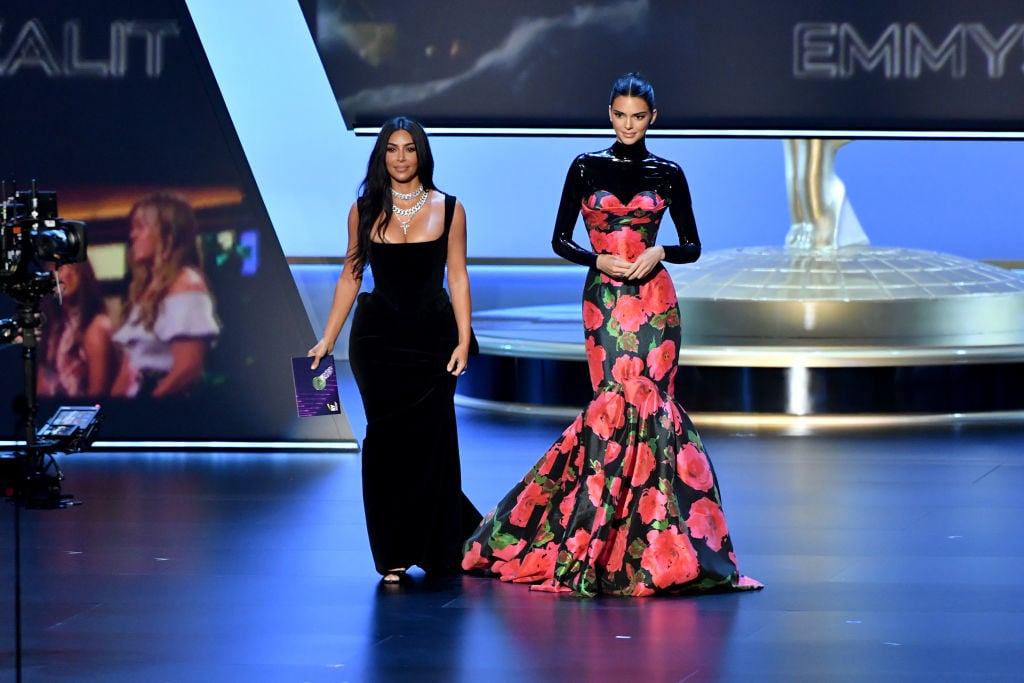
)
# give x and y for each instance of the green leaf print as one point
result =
(546, 536)
(628, 342)
(502, 541)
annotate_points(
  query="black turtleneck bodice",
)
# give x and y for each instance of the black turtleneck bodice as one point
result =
(625, 171)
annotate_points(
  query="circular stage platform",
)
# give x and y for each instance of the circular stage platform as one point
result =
(794, 339)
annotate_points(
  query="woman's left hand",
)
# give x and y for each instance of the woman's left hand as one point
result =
(459, 360)
(645, 263)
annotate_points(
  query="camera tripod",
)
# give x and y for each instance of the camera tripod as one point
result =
(31, 476)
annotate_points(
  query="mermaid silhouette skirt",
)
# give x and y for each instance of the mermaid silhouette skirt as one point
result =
(626, 501)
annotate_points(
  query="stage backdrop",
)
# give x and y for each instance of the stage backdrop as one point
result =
(939, 66)
(113, 102)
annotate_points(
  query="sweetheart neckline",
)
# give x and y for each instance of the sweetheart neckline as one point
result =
(653, 193)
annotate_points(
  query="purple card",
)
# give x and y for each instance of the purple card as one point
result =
(316, 391)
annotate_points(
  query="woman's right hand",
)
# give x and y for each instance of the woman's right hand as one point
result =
(613, 266)
(317, 353)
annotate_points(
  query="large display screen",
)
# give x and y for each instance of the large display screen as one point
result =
(184, 317)
(785, 67)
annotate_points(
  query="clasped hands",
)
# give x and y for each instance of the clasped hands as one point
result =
(621, 269)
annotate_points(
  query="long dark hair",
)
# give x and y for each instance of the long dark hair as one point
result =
(79, 308)
(375, 190)
(633, 85)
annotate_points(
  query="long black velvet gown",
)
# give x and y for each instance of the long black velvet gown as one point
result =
(626, 501)
(403, 334)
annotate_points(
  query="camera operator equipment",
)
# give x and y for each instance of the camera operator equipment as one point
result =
(31, 233)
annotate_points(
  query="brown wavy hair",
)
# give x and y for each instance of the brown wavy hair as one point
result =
(79, 309)
(176, 250)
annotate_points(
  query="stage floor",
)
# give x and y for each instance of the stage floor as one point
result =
(887, 557)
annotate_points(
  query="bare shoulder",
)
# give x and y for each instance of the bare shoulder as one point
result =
(439, 198)
(188, 280)
(101, 328)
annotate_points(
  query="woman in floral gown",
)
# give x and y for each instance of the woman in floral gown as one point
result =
(626, 501)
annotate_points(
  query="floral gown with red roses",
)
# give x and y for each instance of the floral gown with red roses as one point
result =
(626, 501)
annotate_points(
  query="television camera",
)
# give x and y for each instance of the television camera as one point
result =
(32, 234)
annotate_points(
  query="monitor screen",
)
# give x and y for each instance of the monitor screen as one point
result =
(835, 68)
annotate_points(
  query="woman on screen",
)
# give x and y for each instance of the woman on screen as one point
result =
(170, 323)
(77, 354)
(626, 501)
(408, 345)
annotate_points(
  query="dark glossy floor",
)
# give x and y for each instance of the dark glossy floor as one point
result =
(893, 557)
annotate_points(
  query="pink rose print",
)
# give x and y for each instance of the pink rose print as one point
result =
(609, 204)
(570, 437)
(605, 414)
(510, 551)
(602, 242)
(645, 464)
(531, 497)
(643, 394)
(670, 558)
(662, 358)
(629, 311)
(566, 506)
(707, 521)
(627, 367)
(538, 564)
(548, 461)
(673, 418)
(612, 452)
(658, 295)
(693, 467)
(595, 488)
(506, 571)
(593, 318)
(622, 508)
(595, 361)
(592, 217)
(615, 489)
(617, 552)
(647, 201)
(653, 505)
(641, 590)
(577, 543)
(472, 559)
(631, 245)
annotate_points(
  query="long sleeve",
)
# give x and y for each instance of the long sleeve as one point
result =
(681, 210)
(565, 219)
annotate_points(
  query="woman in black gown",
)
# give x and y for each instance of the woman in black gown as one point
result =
(409, 342)
(626, 501)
